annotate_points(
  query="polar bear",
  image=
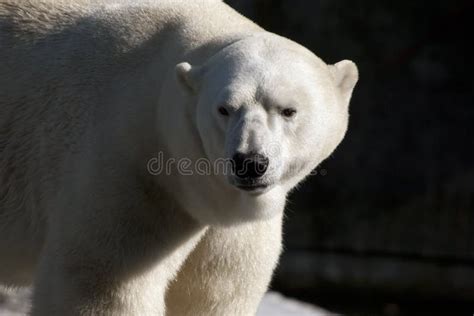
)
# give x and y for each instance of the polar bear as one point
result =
(92, 92)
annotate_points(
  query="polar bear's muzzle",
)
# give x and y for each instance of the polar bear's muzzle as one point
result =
(248, 170)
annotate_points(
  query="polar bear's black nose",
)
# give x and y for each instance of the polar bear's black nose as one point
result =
(251, 165)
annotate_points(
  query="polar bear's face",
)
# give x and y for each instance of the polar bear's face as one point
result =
(271, 109)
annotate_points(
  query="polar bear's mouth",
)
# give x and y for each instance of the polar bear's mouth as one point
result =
(252, 187)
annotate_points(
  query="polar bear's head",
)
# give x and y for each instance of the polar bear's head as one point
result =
(271, 107)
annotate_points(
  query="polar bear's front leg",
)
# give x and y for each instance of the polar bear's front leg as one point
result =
(116, 261)
(228, 272)
(64, 289)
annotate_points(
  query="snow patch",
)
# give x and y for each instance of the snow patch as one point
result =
(16, 303)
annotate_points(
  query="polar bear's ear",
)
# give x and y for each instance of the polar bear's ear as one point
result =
(188, 76)
(345, 75)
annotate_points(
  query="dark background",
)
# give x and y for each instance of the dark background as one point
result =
(385, 228)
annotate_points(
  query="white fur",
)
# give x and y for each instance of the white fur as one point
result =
(90, 92)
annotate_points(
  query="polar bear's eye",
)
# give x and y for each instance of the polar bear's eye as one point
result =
(288, 112)
(223, 111)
